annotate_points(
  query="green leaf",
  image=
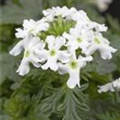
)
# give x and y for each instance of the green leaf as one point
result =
(116, 26)
(15, 14)
(103, 66)
(66, 103)
(8, 68)
(109, 116)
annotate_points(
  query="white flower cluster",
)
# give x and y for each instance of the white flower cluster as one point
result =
(112, 86)
(66, 52)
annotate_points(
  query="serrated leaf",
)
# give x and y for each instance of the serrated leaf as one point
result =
(69, 104)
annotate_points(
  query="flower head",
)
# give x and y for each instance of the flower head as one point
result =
(64, 40)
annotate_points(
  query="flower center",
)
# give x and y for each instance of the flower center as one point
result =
(26, 54)
(52, 52)
(79, 40)
(97, 40)
(73, 64)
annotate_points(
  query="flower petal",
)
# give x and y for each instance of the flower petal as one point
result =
(62, 69)
(74, 79)
(51, 41)
(51, 63)
(17, 49)
(60, 41)
(24, 67)
(105, 88)
(106, 51)
(64, 56)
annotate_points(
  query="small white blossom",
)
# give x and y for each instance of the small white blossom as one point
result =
(76, 40)
(112, 86)
(80, 15)
(73, 69)
(102, 45)
(53, 54)
(58, 11)
(31, 27)
(106, 88)
(30, 55)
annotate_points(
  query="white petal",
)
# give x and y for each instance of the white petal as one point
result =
(106, 88)
(91, 49)
(60, 41)
(51, 63)
(74, 79)
(21, 33)
(62, 69)
(24, 67)
(83, 60)
(34, 59)
(106, 51)
(42, 55)
(64, 56)
(37, 65)
(28, 24)
(51, 41)
(17, 49)
(67, 36)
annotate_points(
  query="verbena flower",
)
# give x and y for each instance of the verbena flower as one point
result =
(112, 86)
(31, 27)
(53, 53)
(64, 40)
(29, 45)
(102, 45)
(73, 69)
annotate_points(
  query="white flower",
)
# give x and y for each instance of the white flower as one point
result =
(21, 33)
(32, 27)
(80, 16)
(106, 88)
(58, 11)
(20, 46)
(103, 4)
(29, 45)
(53, 54)
(97, 26)
(76, 40)
(90, 25)
(73, 69)
(55, 11)
(112, 86)
(102, 45)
